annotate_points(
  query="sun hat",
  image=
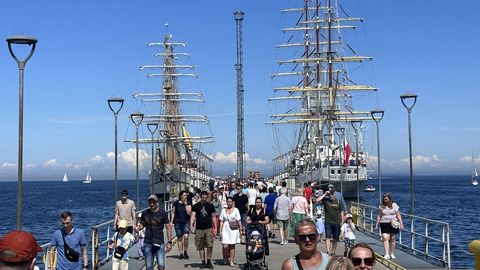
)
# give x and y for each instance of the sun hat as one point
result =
(255, 233)
(23, 244)
(122, 224)
(153, 197)
(348, 216)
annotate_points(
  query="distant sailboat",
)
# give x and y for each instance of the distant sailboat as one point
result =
(88, 179)
(474, 180)
(65, 178)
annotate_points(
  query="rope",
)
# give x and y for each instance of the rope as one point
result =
(458, 243)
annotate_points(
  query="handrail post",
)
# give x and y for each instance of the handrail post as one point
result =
(94, 248)
(448, 246)
(426, 240)
(412, 234)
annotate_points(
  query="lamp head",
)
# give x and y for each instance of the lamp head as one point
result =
(377, 114)
(408, 96)
(137, 118)
(115, 100)
(22, 40)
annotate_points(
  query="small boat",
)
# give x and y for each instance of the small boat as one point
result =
(88, 179)
(474, 179)
(65, 178)
(369, 188)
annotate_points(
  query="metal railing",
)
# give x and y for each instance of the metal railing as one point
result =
(100, 236)
(422, 237)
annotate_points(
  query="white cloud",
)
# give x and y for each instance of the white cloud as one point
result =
(110, 155)
(50, 163)
(97, 159)
(8, 165)
(30, 166)
(129, 157)
(231, 158)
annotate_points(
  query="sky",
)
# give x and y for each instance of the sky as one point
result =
(89, 51)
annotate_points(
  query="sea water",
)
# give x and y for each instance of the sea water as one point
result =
(450, 199)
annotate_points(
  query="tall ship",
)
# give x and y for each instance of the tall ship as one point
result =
(173, 114)
(318, 117)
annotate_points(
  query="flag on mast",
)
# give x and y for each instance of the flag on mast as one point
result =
(348, 150)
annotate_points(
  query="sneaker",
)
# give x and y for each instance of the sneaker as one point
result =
(269, 234)
(392, 256)
(232, 264)
(273, 236)
(203, 265)
(285, 242)
(185, 255)
(209, 264)
(386, 257)
(181, 256)
(282, 242)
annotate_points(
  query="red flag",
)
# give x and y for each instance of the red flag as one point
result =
(348, 150)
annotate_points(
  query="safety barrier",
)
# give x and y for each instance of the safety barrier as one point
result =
(422, 237)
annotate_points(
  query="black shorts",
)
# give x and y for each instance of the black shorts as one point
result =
(271, 218)
(387, 228)
(332, 230)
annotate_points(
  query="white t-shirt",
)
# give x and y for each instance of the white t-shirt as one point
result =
(348, 231)
(252, 195)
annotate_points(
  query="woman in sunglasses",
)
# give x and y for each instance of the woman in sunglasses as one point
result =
(309, 257)
(362, 256)
(390, 221)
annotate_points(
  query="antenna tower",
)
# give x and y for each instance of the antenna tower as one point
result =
(238, 15)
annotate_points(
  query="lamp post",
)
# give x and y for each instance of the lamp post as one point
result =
(111, 102)
(357, 124)
(137, 119)
(152, 127)
(413, 100)
(377, 116)
(341, 133)
(31, 41)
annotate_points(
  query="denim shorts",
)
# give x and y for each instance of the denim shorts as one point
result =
(332, 230)
(181, 229)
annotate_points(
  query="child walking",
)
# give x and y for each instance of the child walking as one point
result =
(121, 242)
(347, 232)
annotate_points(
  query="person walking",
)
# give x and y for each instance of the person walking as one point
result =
(258, 214)
(241, 203)
(252, 194)
(268, 203)
(140, 237)
(309, 257)
(333, 219)
(347, 232)
(390, 221)
(155, 220)
(121, 242)
(125, 209)
(181, 222)
(70, 243)
(283, 210)
(201, 220)
(300, 209)
(230, 227)
(18, 251)
(217, 204)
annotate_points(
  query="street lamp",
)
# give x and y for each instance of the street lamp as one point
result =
(119, 101)
(152, 127)
(341, 133)
(31, 41)
(377, 116)
(357, 124)
(137, 119)
(413, 100)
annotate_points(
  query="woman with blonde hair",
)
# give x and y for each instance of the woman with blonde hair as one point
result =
(390, 221)
(300, 210)
(339, 263)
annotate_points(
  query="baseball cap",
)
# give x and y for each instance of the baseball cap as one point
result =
(122, 223)
(348, 216)
(153, 197)
(331, 186)
(23, 244)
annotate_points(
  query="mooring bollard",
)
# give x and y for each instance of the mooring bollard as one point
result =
(474, 247)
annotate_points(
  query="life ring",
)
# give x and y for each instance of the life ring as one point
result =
(47, 262)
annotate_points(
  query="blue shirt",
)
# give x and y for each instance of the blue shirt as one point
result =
(75, 240)
(270, 202)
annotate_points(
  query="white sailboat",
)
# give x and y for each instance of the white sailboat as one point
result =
(474, 177)
(88, 179)
(65, 178)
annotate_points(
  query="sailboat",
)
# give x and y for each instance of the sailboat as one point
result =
(474, 179)
(313, 96)
(179, 155)
(88, 179)
(65, 178)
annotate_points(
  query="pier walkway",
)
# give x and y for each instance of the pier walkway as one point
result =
(278, 253)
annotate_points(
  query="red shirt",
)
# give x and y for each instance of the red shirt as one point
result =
(308, 193)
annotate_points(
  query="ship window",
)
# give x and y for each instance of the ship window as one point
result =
(355, 171)
(349, 171)
(332, 171)
(339, 172)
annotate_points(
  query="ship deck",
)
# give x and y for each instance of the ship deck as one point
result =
(278, 253)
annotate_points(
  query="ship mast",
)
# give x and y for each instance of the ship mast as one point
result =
(238, 16)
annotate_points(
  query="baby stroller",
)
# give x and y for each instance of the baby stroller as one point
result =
(256, 246)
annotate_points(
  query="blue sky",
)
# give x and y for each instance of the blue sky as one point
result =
(89, 51)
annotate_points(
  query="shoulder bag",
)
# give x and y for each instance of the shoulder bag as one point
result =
(232, 223)
(69, 252)
(119, 250)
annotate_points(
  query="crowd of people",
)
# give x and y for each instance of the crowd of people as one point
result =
(228, 211)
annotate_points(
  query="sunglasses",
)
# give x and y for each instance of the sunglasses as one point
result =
(367, 261)
(303, 237)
